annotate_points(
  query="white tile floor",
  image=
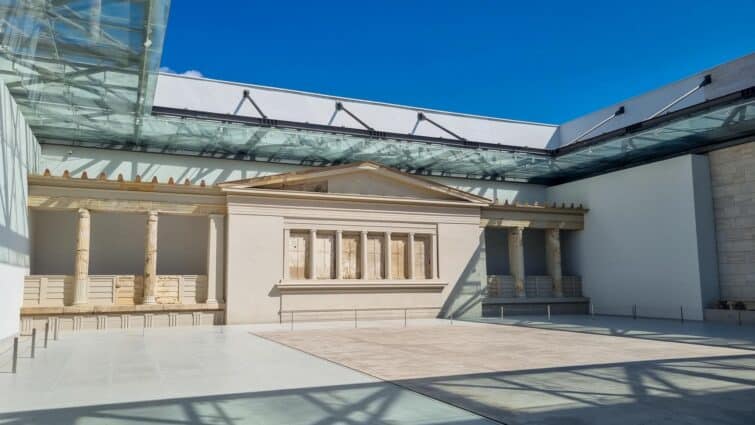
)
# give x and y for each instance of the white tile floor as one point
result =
(213, 375)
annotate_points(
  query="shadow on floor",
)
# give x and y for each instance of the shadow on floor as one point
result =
(356, 404)
(711, 390)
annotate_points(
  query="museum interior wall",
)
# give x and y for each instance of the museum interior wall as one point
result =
(19, 156)
(647, 239)
(733, 183)
(214, 170)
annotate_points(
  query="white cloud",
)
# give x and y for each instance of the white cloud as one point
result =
(192, 73)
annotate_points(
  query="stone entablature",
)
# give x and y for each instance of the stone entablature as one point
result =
(535, 216)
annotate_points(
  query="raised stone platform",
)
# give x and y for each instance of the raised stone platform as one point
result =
(99, 317)
(491, 307)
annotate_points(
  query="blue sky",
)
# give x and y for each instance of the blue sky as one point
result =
(528, 60)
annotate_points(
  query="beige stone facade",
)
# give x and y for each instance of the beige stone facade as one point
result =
(322, 244)
(733, 183)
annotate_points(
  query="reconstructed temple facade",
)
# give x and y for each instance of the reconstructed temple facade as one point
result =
(316, 243)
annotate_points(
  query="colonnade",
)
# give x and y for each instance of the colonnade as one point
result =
(215, 256)
(552, 259)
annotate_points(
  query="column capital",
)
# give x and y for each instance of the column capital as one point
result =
(83, 212)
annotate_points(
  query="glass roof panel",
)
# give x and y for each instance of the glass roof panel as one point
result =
(84, 73)
(67, 61)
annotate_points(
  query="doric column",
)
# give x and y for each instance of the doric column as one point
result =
(410, 256)
(286, 255)
(150, 259)
(434, 256)
(553, 259)
(215, 257)
(387, 255)
(312, 269)
(363, 254)
(81, 267)
(516, 260)
(337, 253)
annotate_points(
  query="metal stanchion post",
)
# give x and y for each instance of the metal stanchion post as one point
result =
(592, 310)
(15, 355)
(56, 325)
(404, 317)
(292, 320)
(47, 331)
(681, 312)
(634, 311)
(33, 341)
(501, 312)
(548, 307)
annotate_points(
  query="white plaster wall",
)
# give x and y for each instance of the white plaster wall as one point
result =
(212, 170)
(19, 155)
(53, 241)
(461, 263)
(254, 263)
(647, 238)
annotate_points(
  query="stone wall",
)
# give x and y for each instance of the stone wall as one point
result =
(733, 179)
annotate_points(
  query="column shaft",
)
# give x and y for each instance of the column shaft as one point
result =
(410, 256)
(553, 260)
(516, 260)
(434, 256)
(312, 272)
(215, 258)
(81, 266)
(363, 255)
(387, 255)
(337, 253)
(286, 255)
(150, 259)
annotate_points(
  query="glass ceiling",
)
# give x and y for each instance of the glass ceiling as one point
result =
(84, 74)
(73, 66)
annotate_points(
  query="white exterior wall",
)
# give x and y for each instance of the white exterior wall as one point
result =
(202, 94)
(648, 238)
(212, 170)
(19, 156)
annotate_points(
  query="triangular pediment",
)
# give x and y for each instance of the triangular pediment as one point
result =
(362, 178)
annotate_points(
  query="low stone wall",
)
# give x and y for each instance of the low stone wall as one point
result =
(744, 317)
(57, 290)
(120, 317)
(502, 286)
(115, 302)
